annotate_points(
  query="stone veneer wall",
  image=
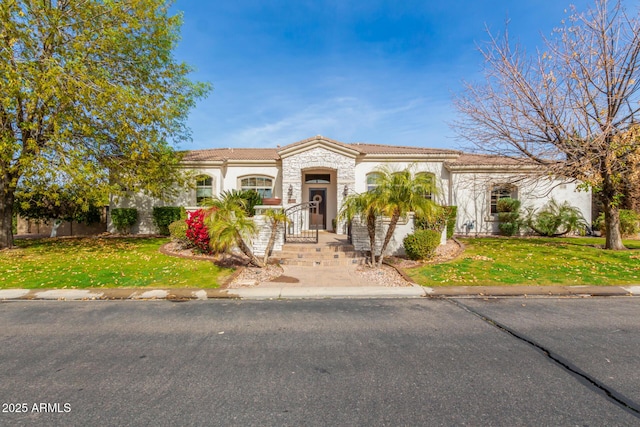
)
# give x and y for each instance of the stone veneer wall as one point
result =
(318, 158)
(259, 242)
(360, 236)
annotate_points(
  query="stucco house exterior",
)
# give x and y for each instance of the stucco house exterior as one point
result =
(326, 170)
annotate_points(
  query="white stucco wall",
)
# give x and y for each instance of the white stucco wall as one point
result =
(236, 171)
(471, 193)
(434, 167)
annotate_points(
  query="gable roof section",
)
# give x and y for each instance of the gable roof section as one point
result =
(318, 141)
(454, 160)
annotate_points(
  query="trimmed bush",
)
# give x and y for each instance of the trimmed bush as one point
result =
(437, 222)
(178, 231)
(452, 214)
(422, 244)
(124, 218)
(509, 216)
(165, 215)
(197, 233)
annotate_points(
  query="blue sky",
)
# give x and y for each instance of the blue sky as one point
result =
(357, 71)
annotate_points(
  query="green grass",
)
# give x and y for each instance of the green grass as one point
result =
(94, 263)
(534, 261)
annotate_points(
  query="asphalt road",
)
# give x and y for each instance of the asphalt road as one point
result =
(507, 362)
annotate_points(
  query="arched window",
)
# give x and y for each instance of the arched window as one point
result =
(204, 189)
(262, 184)
(501, 191)
(431, 179)
(372, 180)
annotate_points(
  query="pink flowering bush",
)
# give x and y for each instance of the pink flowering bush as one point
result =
(197, 232)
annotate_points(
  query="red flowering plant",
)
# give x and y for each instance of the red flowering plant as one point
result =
(197, 232)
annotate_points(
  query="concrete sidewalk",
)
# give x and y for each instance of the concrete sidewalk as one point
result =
(292, 292)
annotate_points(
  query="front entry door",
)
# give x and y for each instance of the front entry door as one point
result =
(318, 220)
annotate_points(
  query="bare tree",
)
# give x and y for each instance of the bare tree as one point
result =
(567, 108)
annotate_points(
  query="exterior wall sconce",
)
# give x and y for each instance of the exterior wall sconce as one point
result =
(290, 191)
(345, 191)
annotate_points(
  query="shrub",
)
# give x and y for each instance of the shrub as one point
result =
(124, 218)
(165, 215)
(451, 213)
(436, 222)
(422, 244)
(197, 232)
(178, 232)
(556, 219)
(509, 216)
(629, 222)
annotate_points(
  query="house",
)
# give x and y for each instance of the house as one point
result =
(326, 171)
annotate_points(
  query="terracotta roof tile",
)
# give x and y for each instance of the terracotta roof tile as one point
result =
(467, 159)
(231, 154)
(398, 149)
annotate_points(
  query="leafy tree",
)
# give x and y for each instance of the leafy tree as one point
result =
(91, 97)
(40, 201)
(568, 108)
(229, 225)
(399, 192)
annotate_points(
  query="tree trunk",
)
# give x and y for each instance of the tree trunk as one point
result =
(387, 237)
(271, 243)
(54, 227)
(6, 214)
(371, 230)
(613, 237)
(248, 252)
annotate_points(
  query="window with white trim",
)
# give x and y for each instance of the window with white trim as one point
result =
(372, 181)
(432, 179)
(204, 189)
(501, 191)
(262, 184)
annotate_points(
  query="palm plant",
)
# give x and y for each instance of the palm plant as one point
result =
(366, 207)
(275, 218)
(556, 219)
(229, 225)
(399, 192)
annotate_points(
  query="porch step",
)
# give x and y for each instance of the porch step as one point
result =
(343, 262)
(315, 248)
(318, 255)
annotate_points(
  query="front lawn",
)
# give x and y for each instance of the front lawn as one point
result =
(102, 262)
(534, 261)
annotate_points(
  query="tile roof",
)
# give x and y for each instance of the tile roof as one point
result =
(397, 149)
(269, 154)
(222, 154)
(467, 159)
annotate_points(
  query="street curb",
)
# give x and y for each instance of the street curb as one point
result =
(186, 294)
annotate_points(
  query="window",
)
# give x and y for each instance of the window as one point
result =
(501, 192)
(372, 181)
(432, 180)
(262, 184)
(204, 189)
(317, 178)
